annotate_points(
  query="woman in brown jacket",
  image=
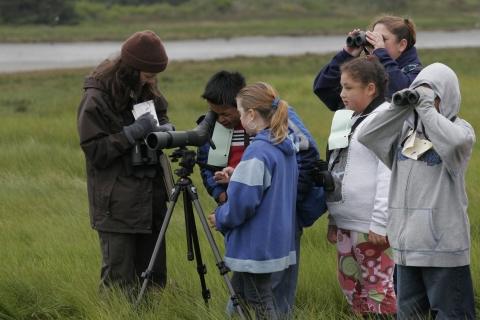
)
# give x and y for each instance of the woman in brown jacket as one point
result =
(127, 203)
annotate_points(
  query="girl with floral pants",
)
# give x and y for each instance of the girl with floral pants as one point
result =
(358, 203)
(365, 273)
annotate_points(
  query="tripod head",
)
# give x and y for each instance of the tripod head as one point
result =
(187, 163)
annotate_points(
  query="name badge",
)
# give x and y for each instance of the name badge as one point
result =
(415, 147)
(341, 127)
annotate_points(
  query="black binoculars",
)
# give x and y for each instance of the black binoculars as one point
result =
(357, 39)
(404, 98)
(322, 177)
(140, 154)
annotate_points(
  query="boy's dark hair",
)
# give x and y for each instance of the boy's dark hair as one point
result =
(223, 86)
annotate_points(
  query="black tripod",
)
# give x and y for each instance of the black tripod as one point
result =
(185, 185)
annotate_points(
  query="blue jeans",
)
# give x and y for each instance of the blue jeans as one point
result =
(435, 293)
(254, 290)
(284, 285)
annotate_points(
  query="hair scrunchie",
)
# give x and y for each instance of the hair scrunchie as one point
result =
(275, 103)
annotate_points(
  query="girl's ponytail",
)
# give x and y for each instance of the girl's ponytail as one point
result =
(279, 122)
(263, 98)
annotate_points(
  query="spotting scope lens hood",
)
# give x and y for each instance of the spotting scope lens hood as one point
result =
(176, 139)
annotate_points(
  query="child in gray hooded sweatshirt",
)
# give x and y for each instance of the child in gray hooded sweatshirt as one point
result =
(428, 227)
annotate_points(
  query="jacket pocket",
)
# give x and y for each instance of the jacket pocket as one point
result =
(104, 183)
(420, 232)
(412, 229)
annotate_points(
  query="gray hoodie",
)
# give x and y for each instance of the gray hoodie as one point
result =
(428, 224)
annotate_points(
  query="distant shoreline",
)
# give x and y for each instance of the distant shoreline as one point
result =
(20, 57)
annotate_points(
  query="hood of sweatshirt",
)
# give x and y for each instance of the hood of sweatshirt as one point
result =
(289, 146)
(444, 82)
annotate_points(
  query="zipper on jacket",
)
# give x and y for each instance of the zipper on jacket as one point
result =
(401, 242)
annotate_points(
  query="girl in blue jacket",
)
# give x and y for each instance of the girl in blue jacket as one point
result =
(258, 218)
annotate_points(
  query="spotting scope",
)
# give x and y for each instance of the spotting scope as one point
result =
(176, 139)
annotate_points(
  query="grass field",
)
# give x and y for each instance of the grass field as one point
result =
(50, 257)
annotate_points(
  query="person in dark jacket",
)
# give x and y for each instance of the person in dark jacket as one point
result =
(392, 41)
(127, 202)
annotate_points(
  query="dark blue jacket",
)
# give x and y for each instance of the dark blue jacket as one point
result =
(327, 83)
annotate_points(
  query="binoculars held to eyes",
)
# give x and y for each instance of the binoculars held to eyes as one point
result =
(404, 98)
(357, 39)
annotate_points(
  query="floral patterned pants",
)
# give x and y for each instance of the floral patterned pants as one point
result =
(365, 273)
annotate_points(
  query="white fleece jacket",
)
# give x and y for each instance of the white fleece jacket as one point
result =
(360, 199)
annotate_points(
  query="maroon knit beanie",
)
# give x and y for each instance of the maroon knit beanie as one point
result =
(144, 51)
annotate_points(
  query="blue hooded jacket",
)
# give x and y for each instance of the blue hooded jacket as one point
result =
(258, 219)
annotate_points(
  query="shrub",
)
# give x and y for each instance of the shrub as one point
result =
(48, 12)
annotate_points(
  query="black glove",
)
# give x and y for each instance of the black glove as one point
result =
(145, 124)
(167, 126)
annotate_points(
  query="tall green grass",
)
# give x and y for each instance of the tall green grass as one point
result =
(49, 255)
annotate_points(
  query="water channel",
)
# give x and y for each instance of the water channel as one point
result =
(15, 57)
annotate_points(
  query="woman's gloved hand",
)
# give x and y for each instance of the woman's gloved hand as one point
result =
(145, 124)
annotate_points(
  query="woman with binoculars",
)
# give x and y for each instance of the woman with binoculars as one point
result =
(392, 41)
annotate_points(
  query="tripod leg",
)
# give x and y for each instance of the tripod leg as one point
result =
(147, 274)
(192, 192)
(187, 208)
(193, 238)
